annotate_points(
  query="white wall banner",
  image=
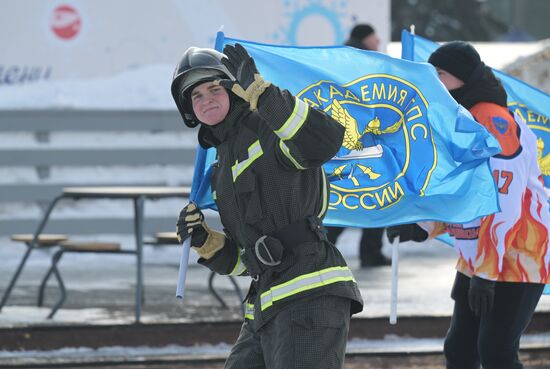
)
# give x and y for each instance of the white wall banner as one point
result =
(76, 39)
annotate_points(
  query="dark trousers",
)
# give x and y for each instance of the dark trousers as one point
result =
(491, 340)
(370, 246)
(308, 334)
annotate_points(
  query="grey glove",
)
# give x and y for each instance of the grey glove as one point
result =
(481, 295)
(407, 232)
(249, 84)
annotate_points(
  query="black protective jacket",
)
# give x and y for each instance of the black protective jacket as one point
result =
(268, 177)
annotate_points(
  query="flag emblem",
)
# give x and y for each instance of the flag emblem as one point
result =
(379, 112)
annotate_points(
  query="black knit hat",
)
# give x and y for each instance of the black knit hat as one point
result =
(361, 31)
(456, 57)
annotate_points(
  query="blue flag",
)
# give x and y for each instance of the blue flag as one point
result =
(410, 152)
(531, 104)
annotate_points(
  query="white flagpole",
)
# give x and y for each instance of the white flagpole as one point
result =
(394, 272)
(184, 262)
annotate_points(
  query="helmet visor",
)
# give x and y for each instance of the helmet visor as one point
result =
(196, 75)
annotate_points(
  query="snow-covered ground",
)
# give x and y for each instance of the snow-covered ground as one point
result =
(389, 344)
(145, 87)
(426, 273)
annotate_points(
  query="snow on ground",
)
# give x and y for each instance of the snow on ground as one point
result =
(89, 140)
(144, 87)
(389, 344)
(139, 351)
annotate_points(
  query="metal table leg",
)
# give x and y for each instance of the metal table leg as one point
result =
(217, 295)
(15, 276)
(56, 257)
(43, 284)
(213, 290)
(138, 228)
(31, 246)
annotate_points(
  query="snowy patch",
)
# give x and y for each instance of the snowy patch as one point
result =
(144, 87)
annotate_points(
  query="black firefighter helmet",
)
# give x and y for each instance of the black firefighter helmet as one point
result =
(197, 65)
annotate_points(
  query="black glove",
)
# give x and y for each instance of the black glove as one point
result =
(481, 295)
(249, 84)
(407, 232)
(204, 241)
(190, 223)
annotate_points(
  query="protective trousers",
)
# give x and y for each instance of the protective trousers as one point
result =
(310, 333)
(491, 340)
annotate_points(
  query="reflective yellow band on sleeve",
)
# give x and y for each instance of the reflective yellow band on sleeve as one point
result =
(305, 282)
(286, 151)
(249, 311)
(239, 267)
(254, 152)
(324, 193)
(294, 121)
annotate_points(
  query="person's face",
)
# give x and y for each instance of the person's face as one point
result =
(448, 80)
(371, 42)
(210, 103)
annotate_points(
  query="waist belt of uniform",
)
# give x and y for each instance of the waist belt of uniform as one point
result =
(269, 250)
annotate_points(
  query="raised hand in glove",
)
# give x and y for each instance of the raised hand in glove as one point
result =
(249, 84)
(407, 232)
(203, 240)
(481, 295)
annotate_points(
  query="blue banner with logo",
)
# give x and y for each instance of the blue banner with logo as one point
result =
(531, 104)
(410, 152)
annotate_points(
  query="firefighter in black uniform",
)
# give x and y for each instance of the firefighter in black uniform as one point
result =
(272, 194)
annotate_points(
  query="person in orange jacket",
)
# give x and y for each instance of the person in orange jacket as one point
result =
(504, 260)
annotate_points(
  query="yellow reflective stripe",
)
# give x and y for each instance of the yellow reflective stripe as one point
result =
(254, 152)
(294, 121)
(304, 283)
(239, 267)
(249, 311)
(214, 195)
(286, 152)
(324, 194)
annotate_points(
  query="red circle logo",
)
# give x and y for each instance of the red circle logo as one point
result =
(65, 22)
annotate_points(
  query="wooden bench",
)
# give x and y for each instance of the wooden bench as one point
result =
(75, 247)
(64, 245)
(42, 241)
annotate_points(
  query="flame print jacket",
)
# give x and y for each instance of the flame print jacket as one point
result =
(511, 245)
